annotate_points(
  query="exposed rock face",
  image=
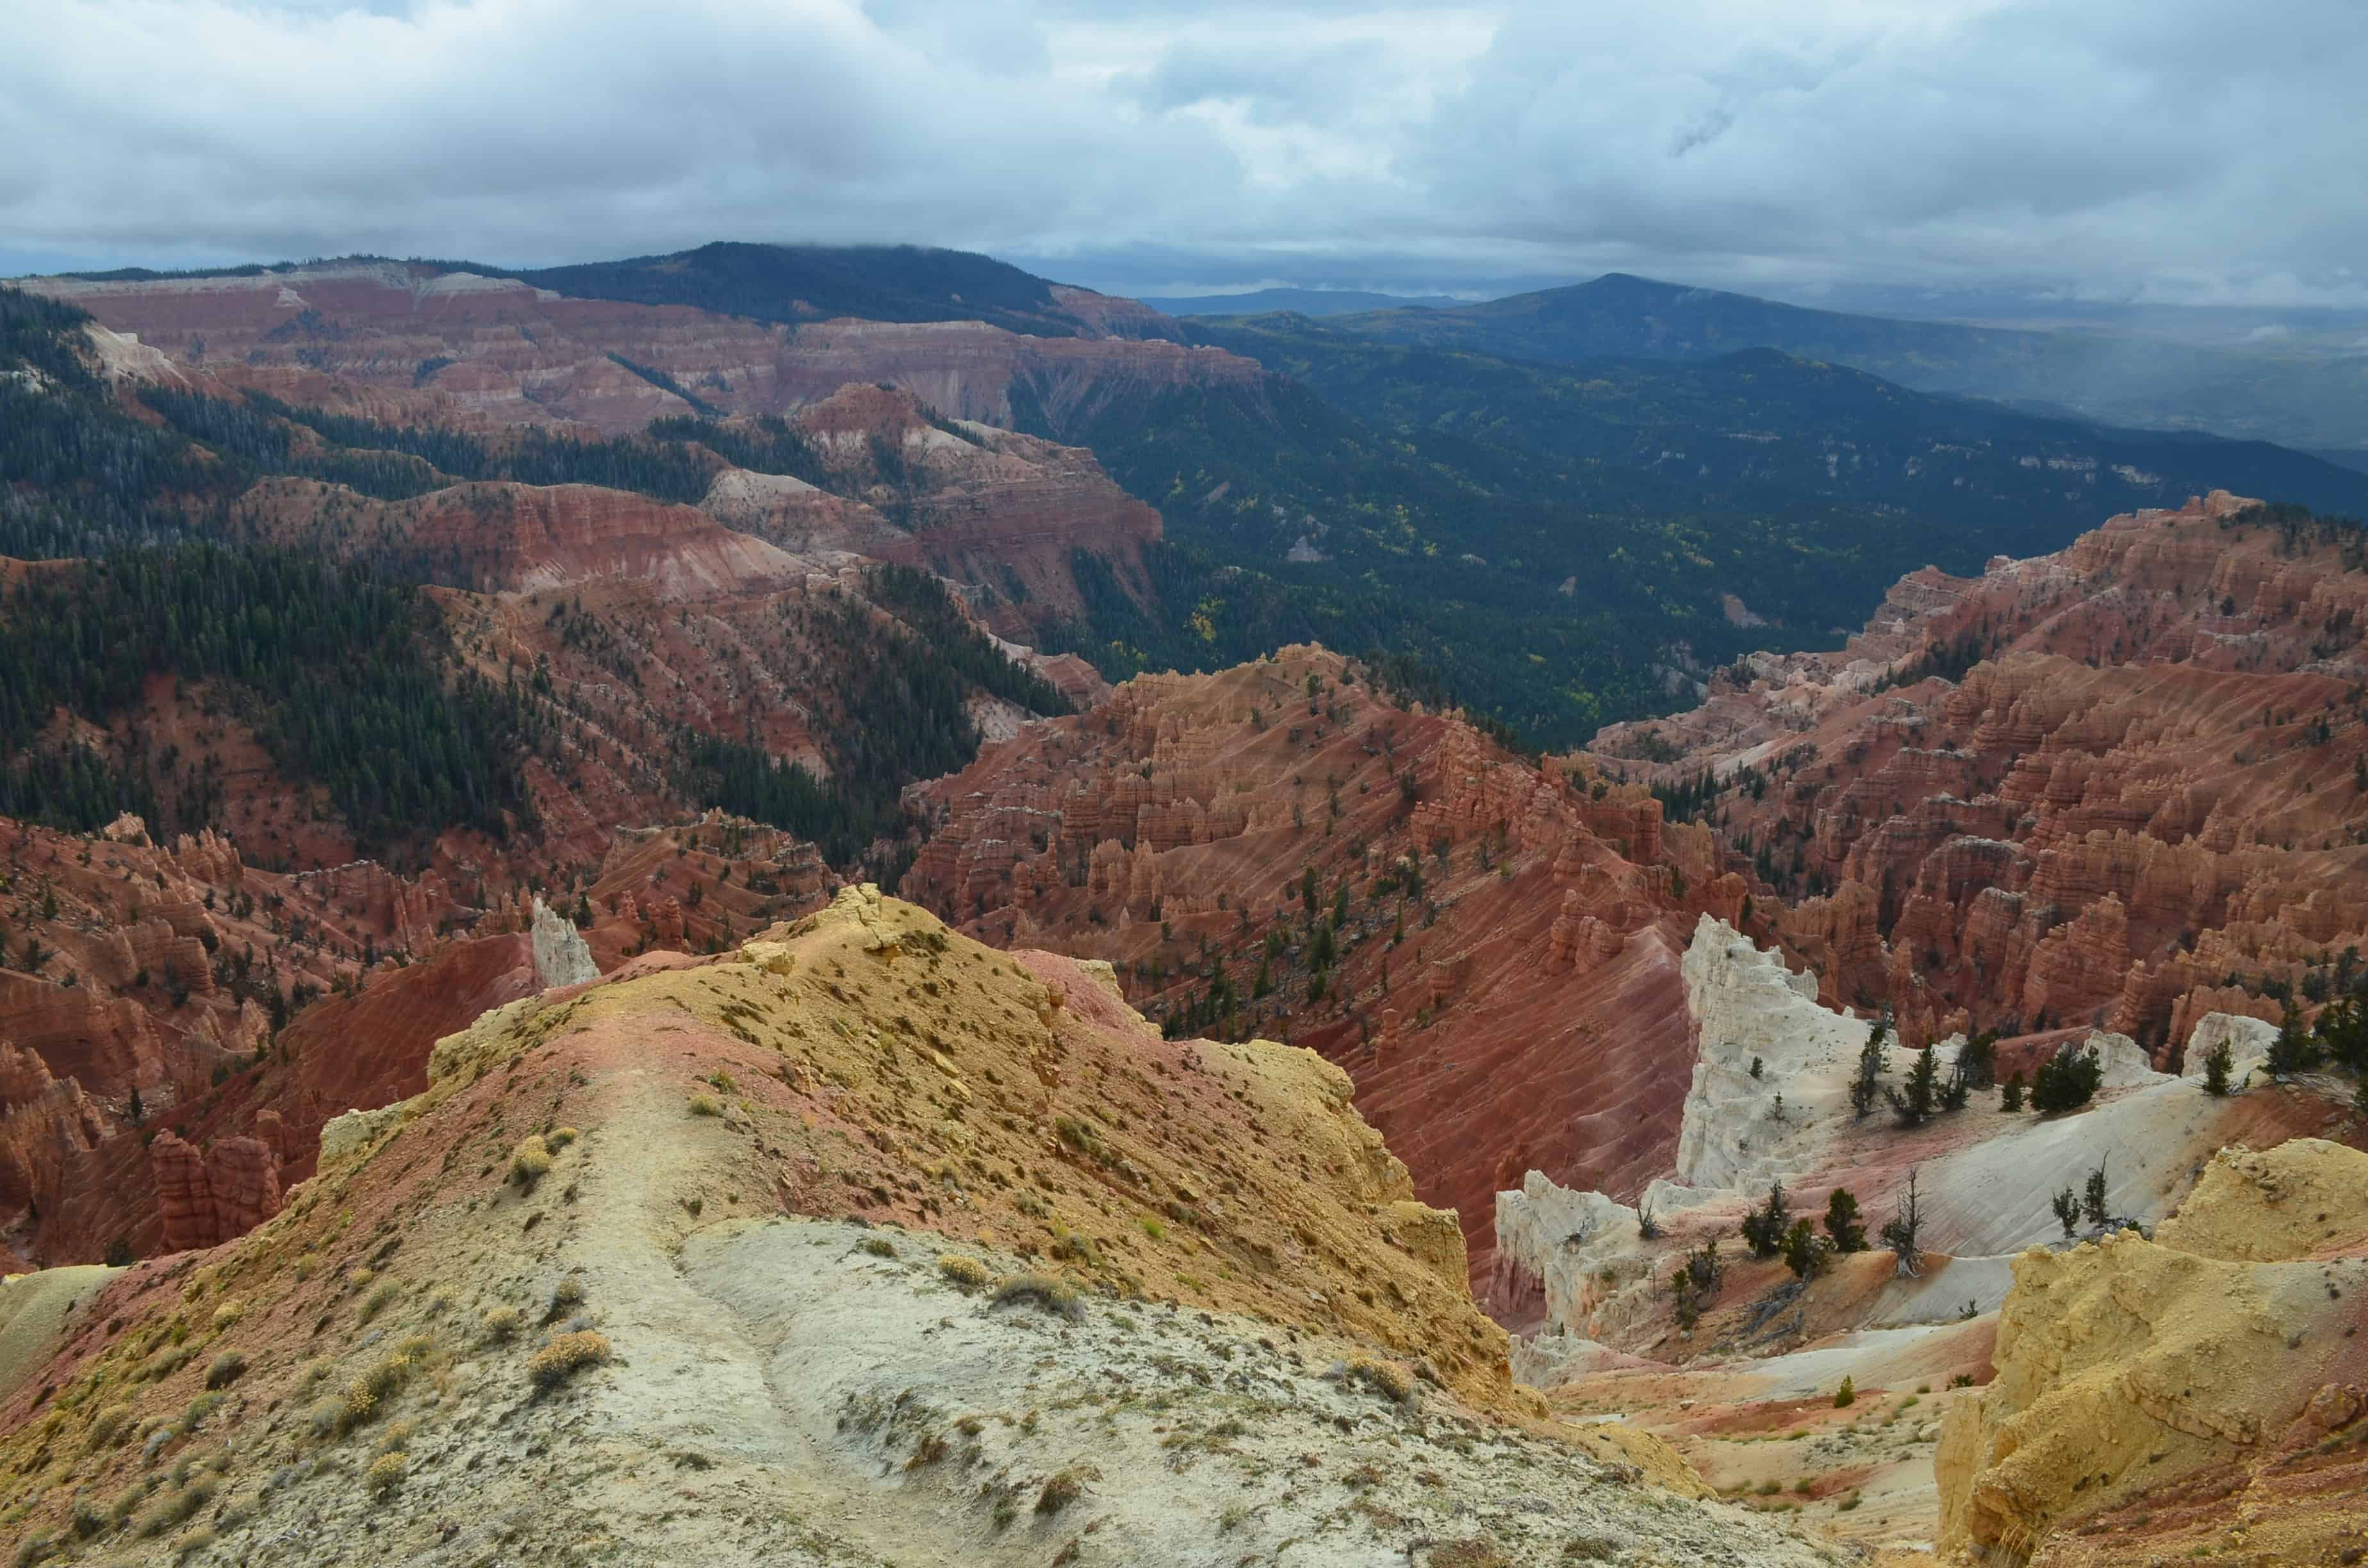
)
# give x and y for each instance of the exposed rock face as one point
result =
(560, 957)
(1741, 1127)
(205, 1198)
(843, 1263)
(2128, 1369)
(503, 352)
(1522, 1010)
(2143, 784)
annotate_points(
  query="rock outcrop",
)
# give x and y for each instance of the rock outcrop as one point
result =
(560, 957)
(861, 1129)
(1503, 985)
(2209, 1368)
(2131, 807)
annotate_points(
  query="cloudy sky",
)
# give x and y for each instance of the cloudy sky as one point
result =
(2179, 150)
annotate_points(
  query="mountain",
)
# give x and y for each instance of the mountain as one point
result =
(1301, 301)
(2306, 398)
(1559, 547)
(763, 282)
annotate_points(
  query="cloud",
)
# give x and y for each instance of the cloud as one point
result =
(2170, 150)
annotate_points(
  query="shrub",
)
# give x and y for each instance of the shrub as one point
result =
(194, 1414)
(704, 1105)
(386, 1473)
(1053, 1295)
(38, 1547)
(499, 1322)
(193, 1541)
(228, 1367)
(879, 1246)
(2066, 1081)
(566, 1356)
(565, 1297)
(228, 1313)
(1387, 1379)
(381, 1298)
(529, 1162)
(108, 1428)
(1062, 1488)
(1846, 1396)
(967, 1273)
(559, 1138)
(177, 1508)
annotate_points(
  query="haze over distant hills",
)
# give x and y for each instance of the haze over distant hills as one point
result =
(1306, 301)
(2298, 395)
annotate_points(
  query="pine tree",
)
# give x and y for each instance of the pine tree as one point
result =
(1915, 1105)
(1900, 1233)
(2295, 1049)
(1867, 1087)
(2066, 1081)
(1764, 1227)
(1842, 1221)
(2217, 1063)
(2092, 1201)
(1805, 1251)
(2067, 1211)
(2011, 1093)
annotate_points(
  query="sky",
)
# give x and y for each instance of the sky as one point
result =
(2172, 152)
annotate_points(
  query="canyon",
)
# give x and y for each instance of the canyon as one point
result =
(1270, 1031)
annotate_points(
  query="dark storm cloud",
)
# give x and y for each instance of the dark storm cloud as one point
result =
(2173, 149)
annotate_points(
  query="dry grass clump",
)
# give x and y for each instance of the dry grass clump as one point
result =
(1063, 1487)
(382, 1297)
(1056, 1296)
(500, 1322)
(108, 1427)
(705, 1105)
(194, 1540)
(386, 1474)
(967, 1273)
(228, 1313)
(228, 1367)
(178, 1508)
(566, 1356)
(1387, 1379)
(194, 1414)
(529, 1162)
(879, 1246)
(559, 1138)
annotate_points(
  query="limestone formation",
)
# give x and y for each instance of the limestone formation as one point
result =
(560, 957)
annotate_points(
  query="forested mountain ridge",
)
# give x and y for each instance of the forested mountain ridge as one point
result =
(272, 556)
(2292, 396)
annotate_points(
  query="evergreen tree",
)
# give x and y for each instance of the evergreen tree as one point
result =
(2067, 1211)
(2092, 1201)
(2011, 1093)
(1805, 1251)
(1915, 1105)
(1867, 1087)
(1842, 1221)
(2066, 1081)
(2217, 1063)
(1764, 1227)
(1900, 1233)
(2295, 1049)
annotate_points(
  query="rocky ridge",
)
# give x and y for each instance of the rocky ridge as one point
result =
(1186, 1304)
